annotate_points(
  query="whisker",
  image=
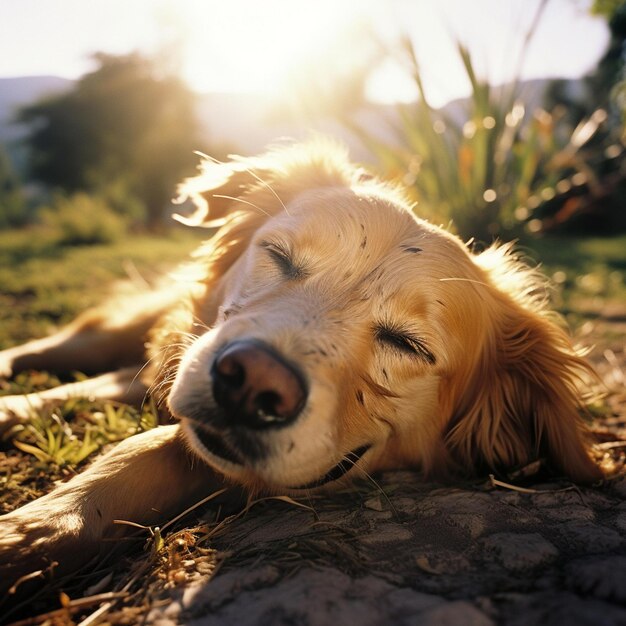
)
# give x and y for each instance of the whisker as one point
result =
(254, 175)
(378, 487)
(265, 184)
(168, 367)
(199, 322)
(206, 156)
(219, 195)
(465, 280)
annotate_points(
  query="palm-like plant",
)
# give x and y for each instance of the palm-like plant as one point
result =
(487, 173)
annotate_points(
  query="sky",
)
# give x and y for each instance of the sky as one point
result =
(260, 45)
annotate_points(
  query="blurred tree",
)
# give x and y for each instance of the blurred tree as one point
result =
(599, 88)
(607, 8)
(123, 124)
(12, 203)
(610, 69)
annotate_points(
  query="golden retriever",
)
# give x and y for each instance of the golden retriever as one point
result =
(323, 332)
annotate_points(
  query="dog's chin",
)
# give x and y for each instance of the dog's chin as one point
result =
(231, 462)
(212, 448)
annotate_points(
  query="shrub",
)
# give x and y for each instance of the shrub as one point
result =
(489, 171)
(81, 219)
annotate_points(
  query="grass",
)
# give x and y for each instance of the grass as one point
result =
(56, 442)
(44, 286)
(588, 274)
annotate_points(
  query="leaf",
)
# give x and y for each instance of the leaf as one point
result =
(40, 455)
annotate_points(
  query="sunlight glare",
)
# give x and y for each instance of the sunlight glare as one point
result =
(252, 46)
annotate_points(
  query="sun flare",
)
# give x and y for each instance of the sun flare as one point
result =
(263, 44)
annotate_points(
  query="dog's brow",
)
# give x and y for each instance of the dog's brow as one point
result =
(267, 185)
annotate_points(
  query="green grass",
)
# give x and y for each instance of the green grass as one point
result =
(588, 274)
(43, 285)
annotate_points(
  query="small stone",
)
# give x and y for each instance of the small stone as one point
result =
(453, 614)
(442, 562)
(474, 524)
(603, 577)
(520, 551)
(591, 538)
(374, 504)
(387, 534)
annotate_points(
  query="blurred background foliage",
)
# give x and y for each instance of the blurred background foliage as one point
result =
(105, 156)
(124, 133)
(499, 168)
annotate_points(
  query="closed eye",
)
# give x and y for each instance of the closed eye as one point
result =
(283, 258)
(404, 343)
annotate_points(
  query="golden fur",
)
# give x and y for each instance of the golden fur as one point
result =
(416, 354)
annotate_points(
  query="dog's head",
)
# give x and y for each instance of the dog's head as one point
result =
(343, 334)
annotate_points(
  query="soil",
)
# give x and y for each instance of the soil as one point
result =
(414, 553)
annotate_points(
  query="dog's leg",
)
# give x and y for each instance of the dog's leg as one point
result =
(146, 479)
(124, 386)
(99, 340)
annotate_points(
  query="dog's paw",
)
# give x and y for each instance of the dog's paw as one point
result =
(34, 546)
(19, 557)
(6, 369)
(16, 410)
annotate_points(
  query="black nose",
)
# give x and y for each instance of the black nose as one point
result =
(256, 386)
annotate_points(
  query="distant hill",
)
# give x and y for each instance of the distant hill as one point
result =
(16, 92)
(243, 123)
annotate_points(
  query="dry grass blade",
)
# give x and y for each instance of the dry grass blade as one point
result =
(158, 545)
(214, 495)
(69, 607)
(499, 483)
(286, 499)
(40, 573)
(610, 445)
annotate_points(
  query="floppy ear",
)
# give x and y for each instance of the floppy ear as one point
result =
(522, 399)
(217, 191)
(264, 184)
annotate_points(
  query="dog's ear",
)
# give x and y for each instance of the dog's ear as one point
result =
(217, 191)
(263, 184)
(521, 400)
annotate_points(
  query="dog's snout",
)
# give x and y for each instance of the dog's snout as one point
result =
(256, 386)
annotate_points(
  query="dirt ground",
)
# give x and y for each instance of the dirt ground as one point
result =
(421, 554)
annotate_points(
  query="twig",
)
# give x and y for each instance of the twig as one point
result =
(72, 605)
(194, 506)
(498, 483)
(610, 445)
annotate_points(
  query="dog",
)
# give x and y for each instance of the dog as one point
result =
(324, 332)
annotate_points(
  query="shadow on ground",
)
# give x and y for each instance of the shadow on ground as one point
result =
(419, 554)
